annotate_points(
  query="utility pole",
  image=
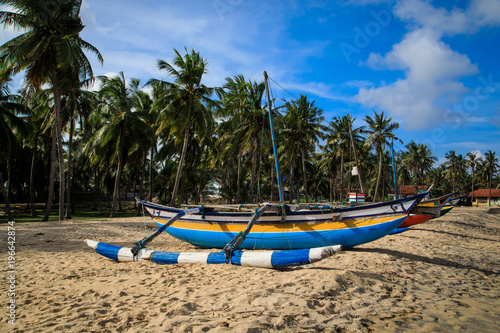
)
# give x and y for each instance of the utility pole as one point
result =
(356, 159)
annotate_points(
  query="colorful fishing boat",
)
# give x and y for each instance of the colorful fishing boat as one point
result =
(451, 203)
(426, 210)
(305, 228)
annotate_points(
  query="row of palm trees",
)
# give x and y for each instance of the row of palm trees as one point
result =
(105, 141)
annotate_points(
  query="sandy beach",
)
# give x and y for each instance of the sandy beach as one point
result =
(441, 276)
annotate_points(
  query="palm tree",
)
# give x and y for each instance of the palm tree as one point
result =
(492, 163)
(472, 162)
(338, 135)
(10, 125)
(419, 159)
(186, 100)
(304, 128)
(76, 105)
(235, 113)
(50, 44)
(40, 121)
(452, 163)
(124, 133)
(380, 130)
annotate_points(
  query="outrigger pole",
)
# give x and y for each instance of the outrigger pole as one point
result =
(240, 237)
(143, 242)
(275, 149)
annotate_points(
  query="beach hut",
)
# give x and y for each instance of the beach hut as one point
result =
(481, 197)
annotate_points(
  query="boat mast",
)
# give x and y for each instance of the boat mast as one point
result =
(273, 136)
(356, 159)
(394, 170)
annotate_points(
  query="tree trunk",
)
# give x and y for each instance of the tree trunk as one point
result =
(304, 175)
(331, 188)
(472, 202)
(68, 189)
(116, 191)
(183, 196)
(375, 197)
(141, 185)
(238, 178)
(150, 193)
(180, 167)
(98, 182)
(58, 134)
(52, 175)
(254, 171)
(290, 192)
(454, 171)
(341, 173)
(272, 182)
(489, 186)
(32, 180)
(6, 198)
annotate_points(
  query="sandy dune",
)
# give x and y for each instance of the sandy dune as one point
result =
(441, 276)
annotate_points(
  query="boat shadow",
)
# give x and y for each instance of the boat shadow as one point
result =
(456, 234)
(424, 259)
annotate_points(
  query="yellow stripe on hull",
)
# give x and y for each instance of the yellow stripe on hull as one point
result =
(280, 227)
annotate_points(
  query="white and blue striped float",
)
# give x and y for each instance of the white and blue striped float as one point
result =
(265, 259)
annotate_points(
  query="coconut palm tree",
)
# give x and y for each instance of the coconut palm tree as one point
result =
(235, 114)
(10, 127)
(419, 159)
(125, 132)
(50, 44)
(380, 130)
(452, 162)
(337, 134)
(492, 164)
(304, 128)
(76, 105)
(473, 160)
(185, 99)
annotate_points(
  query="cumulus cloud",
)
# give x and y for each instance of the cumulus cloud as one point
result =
(432, 70)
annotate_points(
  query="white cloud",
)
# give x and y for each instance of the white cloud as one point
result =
(474, 145)
(316, 88)
(431, 69)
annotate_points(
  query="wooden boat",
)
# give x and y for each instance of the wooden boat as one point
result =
(297, 230)
(426, 210)
(450, 204)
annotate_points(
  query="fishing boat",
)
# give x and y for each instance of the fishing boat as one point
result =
(451, 203)
(297, 236)
(305, 228)
(426, 210)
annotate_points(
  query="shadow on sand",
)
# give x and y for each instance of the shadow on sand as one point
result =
(433, 260)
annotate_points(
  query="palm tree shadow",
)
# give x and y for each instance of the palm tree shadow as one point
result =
(428, 260)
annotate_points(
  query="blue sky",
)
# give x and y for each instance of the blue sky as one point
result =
(430, 65)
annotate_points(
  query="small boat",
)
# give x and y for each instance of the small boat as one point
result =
(426, 210)
(305, 228)
(450, 204)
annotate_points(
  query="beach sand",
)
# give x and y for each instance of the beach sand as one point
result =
(440, 276)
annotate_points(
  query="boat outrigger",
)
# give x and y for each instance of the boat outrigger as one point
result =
(298, 237)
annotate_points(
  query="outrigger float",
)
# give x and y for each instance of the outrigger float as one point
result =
(297, 237)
